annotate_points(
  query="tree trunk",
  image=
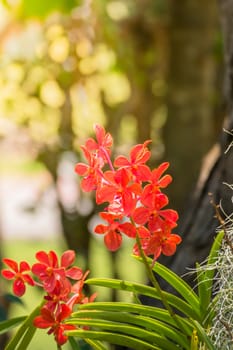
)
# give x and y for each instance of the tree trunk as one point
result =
(216, 177)
(189, 131)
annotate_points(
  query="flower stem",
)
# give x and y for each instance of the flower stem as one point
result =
(155, 283)
(108, 158)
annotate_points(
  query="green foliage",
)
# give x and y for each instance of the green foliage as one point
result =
(183, 325)
(41, 9)
(7, 325)
(131, 324)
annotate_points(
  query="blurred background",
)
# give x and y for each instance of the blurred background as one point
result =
(145, 69)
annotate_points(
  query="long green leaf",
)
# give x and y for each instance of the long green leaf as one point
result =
(143, 310)
(173, 300)
(96, 345)
(73, 344)
(127, 329)
(203, 336)
(142, 321)
(206, 278)
(7, 325)
(14, 343)
(178, 284)
(27, 338)
(114, 338)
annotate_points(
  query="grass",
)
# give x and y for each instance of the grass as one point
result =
(100, 266)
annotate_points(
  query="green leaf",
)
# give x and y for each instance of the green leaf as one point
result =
(25, 332)
(121, 328)
(203, 336)
(114, 338)
(178, 284)
(7, 325)
(96, 345)
(206, 279)
(142, 310)
(156, 326)
(73, 344)
(173, 300)
(27, 338)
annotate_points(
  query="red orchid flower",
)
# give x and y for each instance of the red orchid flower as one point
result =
(113, 231)
(160, 241)
(139, 155)
(103, 143)
(49, 271)
(153, 213)
(91, 171)
(117, 187)
(79, 297)
(156, 182)
(157, 242)
(17, 272)
(54, 321)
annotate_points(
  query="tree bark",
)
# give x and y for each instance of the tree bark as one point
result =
(216, 177)
(189, 131)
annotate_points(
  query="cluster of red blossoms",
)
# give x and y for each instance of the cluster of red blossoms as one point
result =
(135, 207)
(133, 193)
(56, 280)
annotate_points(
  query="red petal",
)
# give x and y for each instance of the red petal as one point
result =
(60, 337)
(143, 232)
(121, 161)
(141, 215)
(139, 153)
(88, 184)
(157, 173)
(75, 273)
(128, 229)
(24, 266)
(9, 275)
(171, 216)
(11, 263)
(65, 312)
(42, 257)
(27, 278)
(47, 315)
(91, 145)
(39, 269)
(19, 287)
(128, 202)
(165, 181)
(143, 173)
(113, 241)
(40, 322)
(81, 169)
(99, 132)
(67, 258)
(53, 259)
(169, 248)
(101, 229)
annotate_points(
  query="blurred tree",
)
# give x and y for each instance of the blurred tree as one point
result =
(214, 186)
(137, 32)
(193, 93)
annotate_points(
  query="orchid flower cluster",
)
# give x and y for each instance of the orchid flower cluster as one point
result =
(134, 195)
(54, 278)
(135, 207)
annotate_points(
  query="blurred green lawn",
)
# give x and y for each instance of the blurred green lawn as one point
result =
(100, 266)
